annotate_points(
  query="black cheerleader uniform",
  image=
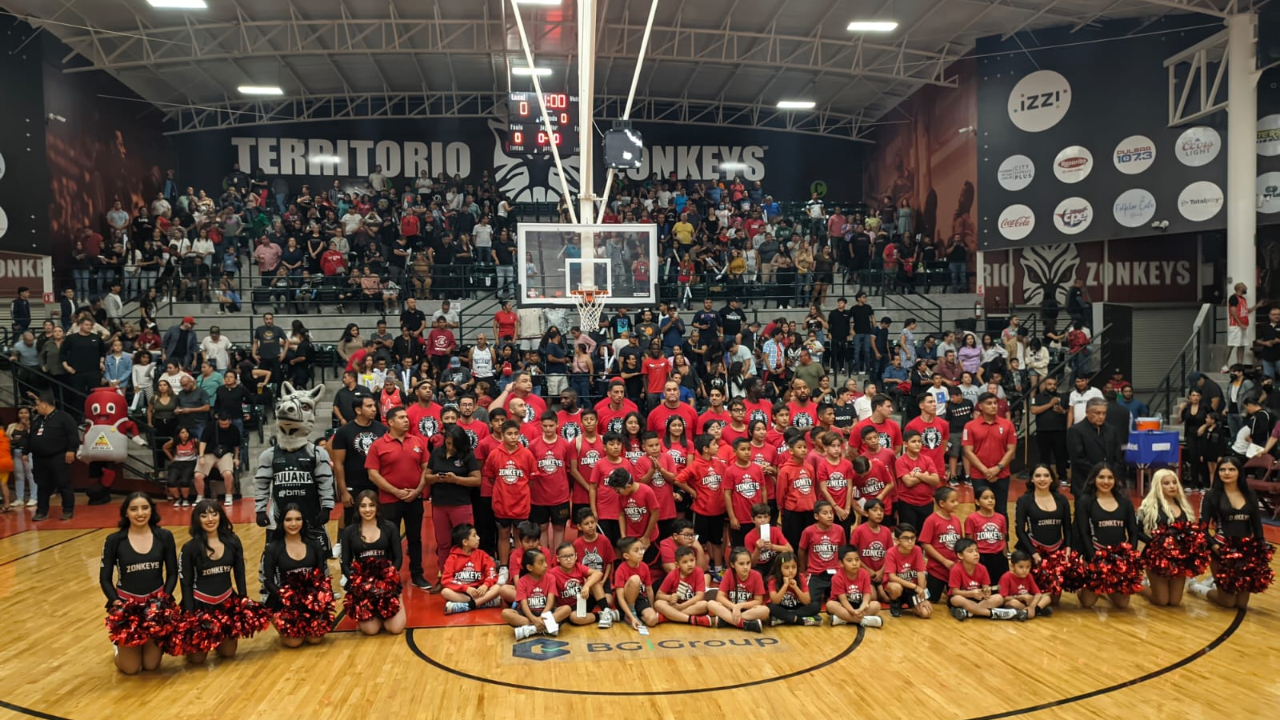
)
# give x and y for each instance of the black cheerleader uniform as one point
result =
(1039, 531)
(1231, 522)
(207, 583)
(277, 564)
(1162, 520)
(355, 549)
(136, 574)
(1097, 528)
(1241, 554)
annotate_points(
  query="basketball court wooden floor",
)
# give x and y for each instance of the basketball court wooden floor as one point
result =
(1195, 661)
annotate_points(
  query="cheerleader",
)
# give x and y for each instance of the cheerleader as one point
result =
(1043, 528)
(208, 563)
(1231, 509)
(789, 600)
(289, 553)
(1164, 505)
(1105, 521)
(372, 539)
(143, 559)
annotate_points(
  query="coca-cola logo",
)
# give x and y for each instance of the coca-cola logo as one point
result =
(1016, 222)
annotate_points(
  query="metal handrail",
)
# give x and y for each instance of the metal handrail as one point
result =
(1163, 396)
(1057, 370)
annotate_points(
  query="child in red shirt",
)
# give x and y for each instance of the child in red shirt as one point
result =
(763, 551)
(594, 549)
(917, 481)
(576, 582)
(740, 602)
(873, 541)
(797, 491)
(790, 602)
(681, 597)
(535, 593)
(702, 479)
(834, 474)
(549, 486)
(970, 588)
(743, 487)
(637, 512)
(664, 474)
(989, 529)
(941, 531)
(631, 583)
(904, 575)
(511, 466)
(469, 579)
(852, 600)
(1019, 589)
(530, 538)
(682, 535)
(819, 547)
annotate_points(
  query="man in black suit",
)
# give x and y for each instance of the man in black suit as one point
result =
(1091, 442)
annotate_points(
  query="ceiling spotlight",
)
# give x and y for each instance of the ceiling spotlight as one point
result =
(796, 104)
(178, 4)
(539, 71)
(872, 26)
(260, 90)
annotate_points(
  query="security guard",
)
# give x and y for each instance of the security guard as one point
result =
(54, 441)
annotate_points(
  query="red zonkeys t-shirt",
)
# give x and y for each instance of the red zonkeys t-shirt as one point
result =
(855, 587)
(538, 591)
(739, 590)
(821, 548)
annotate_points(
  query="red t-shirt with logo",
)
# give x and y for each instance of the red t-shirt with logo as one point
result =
(586, 453)
(942, 533)
(790, 600)
(662, 489)
(746, 488)
(934, 435)
(537, 591)
(908, 568)
(511, 472)
(706, 477)
(822, 548)
(989, 532)
(656, 370)
(920, 493)
(550, 482)
(878, 478)
(424, 421)
(837, 477)
(872, 545)
(569, 583)
(989, 441)
(890, 434)
(625, 572)
(759, 410)
(796, 488)
(610, 419)
(659, 416)
(803, 416)
(961, 579)
(684, 587)
(1011, 585)
(855, 587)
(596, 554)
(709, 417)
(607, 499)
(738, 590)
(765, 558)
(637, 508)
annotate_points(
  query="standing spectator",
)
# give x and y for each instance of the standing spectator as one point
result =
(863, 316)
(180, 344)
(1238, 314)
(269, 346)
(20, 311)
(989, 442)
(1268, 340)
(1078, 302)
(232, 399)
(504, 258)
(1050, 413)
(1091, 442)
(441, 345)
(506, 324)
(216, 349)
(1079, 398)
(54, 442)
(193, 406)
(397, 466)
(117, 368)
(672, 329)
(81, 355)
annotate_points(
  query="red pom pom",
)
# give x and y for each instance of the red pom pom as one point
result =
(1051, 574)
(1243, 565)
(134, 622)
(1180, 549)
(306, 605)
(244, 617)
(196, 632)
(1114, 571)
(373, 590)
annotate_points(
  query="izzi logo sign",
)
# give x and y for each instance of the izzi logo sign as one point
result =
(1039, 101)
(540, 650)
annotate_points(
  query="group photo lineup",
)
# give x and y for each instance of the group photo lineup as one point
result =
(536, 355)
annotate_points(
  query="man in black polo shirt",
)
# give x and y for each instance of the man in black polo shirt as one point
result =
(344, 399)
(412, 317)
(349, 448)
(81, 354)
(1050, 411)
(839, 336)
(54, 441)
(863, 324)
(269, 346)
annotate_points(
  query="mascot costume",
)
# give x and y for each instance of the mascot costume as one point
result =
(295, 470)
(107, 429)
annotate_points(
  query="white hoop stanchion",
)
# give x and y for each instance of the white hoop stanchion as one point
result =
(590, 304)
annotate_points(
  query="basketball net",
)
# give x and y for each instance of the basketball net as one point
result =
(590, 304)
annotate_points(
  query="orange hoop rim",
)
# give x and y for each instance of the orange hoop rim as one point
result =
(589, 295)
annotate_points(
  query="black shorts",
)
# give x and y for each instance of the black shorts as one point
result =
(557, 515)
(651, 554)
(937, 589)
(642, 603)
(709, 528)
(610, 529)
(506, 523)
(820, 587)
(665, 529)
(738, 538)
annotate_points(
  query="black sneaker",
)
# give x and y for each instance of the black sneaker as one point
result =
(752, 626)
(68, 515)
(39, 517)
(421, 583)
(1044, 612)
(959, 613)
(895, 609)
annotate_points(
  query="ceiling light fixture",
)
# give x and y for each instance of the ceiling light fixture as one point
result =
(178, 4)
(539, 71)
(872, 26)
(796, 104)
(260, 90)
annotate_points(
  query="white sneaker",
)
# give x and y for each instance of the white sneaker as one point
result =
(337, 550)
(229, 500)
(838, 621)
(198, 498)
(1200, 590)
(496, 602)
(525, 631)
(606, 619)
(31, 502)
(872, 621)
(775, 622)
(553, 627)
(451, 608)
(503, 575)
(1003, 613)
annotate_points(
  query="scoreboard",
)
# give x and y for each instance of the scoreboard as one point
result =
(526, 133)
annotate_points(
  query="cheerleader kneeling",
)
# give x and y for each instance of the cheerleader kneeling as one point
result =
(1175, 546)
(143, 561)
(371, 559)
(297, 582)
(1241, 555)
(216, 615)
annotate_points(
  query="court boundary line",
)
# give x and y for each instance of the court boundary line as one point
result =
(413, 647)
(50, 546)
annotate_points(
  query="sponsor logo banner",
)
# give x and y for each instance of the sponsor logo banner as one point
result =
(1039, 101)
(1016, 172)
(1134, 154)
(1017, 222)
(1073, 216)
(1200, 201)
(1134, 208)
(1198, 146)
(1073, 164)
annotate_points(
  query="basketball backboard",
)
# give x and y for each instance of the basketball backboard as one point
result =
(554, 259)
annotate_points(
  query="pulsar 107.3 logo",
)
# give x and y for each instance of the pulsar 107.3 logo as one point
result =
(1134, 154)
(1016, 222)
(1073, 216)
(1134, 208)
(1073, 164)
(540, 649)
(1200, 201)
(1039, 101)
(1198, 146)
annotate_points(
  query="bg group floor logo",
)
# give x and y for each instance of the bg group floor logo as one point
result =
(544, 649)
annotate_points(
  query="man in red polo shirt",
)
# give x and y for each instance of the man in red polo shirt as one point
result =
(397, 466)
(614, 407)
(672, 407)
(989, 442)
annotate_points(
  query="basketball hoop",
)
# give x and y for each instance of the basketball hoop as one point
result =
(590, 302)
